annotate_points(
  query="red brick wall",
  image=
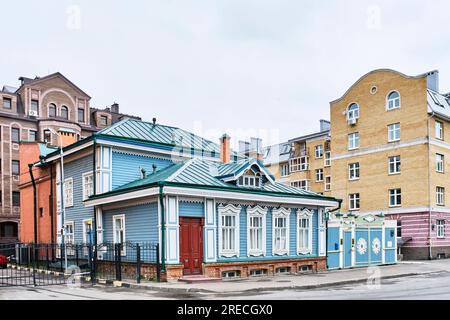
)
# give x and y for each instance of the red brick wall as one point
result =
(29, 153)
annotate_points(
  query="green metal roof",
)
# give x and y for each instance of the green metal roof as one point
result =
(44, 150)
(147, 131)
(205, 174)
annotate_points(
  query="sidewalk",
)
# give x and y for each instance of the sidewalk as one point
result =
(306, 281)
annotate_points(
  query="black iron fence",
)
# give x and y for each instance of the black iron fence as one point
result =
(28, 263)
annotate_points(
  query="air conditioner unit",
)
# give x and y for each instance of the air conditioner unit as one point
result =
(32, 113)
(352, 121)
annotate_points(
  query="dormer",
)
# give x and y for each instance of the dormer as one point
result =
(247, 173)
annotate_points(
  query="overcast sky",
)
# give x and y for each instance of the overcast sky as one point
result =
(261, 67)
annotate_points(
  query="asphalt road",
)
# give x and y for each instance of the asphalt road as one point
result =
(432, 286)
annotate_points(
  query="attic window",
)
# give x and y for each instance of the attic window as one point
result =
(250, 181)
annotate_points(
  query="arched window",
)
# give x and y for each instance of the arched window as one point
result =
(64, 112)
(52, 110)
(353, 112)
(393, 100)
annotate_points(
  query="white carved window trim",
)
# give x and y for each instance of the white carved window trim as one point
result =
(280, 213)
(305, 214)
(123, 229)
(261, 213)
(68, 193)
(229, 210)
(88, 188)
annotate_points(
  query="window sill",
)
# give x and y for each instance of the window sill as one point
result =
(281, 253)
(304, 253)
(394, 141)
(441, 172)
(256, 254)
(392, 109)
(354, 210)
(396, 206)
(357, 179)
(354, 149)
(394, 173)
(228, 255)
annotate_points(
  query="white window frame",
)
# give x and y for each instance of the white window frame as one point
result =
(394, 193)
(299, 164)
(283, 213)
(319, 175)
(393, 161)
(353, 199)
(440, 196)
(257, 212)
(301, 249)
(354, 168)
(115, 240)
(68, 193)
(393, 129)
(250, 181)
(394, 100)
(318, 151)
(327, 160)
(69, 237)
(440, 228)
(328, 183)
(440, 163)
(85, 192)
(353, 114)
(285, 170)
(229, 210)
(353, 141)
(297, 184)
(439, 130)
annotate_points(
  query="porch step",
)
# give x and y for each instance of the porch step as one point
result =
(198, 279)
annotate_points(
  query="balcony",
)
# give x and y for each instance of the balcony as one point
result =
(299, 164)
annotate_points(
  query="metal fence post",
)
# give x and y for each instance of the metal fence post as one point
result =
(138, 263)
(61, 256)
(34, 265)
(158, 265)
(118, 253)
(48, 258)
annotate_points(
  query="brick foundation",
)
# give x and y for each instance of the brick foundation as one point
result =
(173, 273)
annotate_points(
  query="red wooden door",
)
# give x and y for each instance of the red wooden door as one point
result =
(191, 245)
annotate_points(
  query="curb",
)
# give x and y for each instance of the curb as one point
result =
(261, 289)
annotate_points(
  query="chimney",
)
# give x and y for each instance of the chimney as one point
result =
(154, 167)
(115, 107)
(324, 125)
(154, 121)
(225, 150)
(433, 80)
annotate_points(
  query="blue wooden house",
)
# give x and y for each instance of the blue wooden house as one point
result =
(212, 211)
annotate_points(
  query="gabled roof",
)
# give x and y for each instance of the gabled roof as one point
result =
(9, 89)
(203, 174)
(150, 132)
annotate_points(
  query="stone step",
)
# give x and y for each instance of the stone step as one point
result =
(198, 279)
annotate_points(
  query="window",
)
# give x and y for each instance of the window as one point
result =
(7, 103)
(69, 237)
(440, 228)
(319, 151)
(47, 136)
(395, 197)
(103, 120)
(41, 212)
(439, 130)
(285, 170)
(68, 193)
(88, 185)
(249, 181)
(34, 106)
(353, 112)
(353, 171)
(15, 135)
(304, 232)
(440, 196)
(319, 175)
(81, 115)
(302, 184)
(119, 231)
(52, 110)
(299, 164)
(64, 112)
(229, 231)
(353, 200)
(281, 231)
(399, 228)
(439, 163)
(394, 165)
(327, 183)
(394, 132)
(353, 141)
(32, 135)
(256, 219)
(393, 100)
(15, 167)
(16, 198)
(327, 162)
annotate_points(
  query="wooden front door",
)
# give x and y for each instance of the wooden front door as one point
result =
(191, 245)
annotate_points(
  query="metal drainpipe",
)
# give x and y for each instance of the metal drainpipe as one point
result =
(30, 170)
(326, 228)
(430, 255)
(52, 225)
(163, 231)
(94, 183)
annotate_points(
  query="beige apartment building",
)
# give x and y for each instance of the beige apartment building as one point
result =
(388, 147)
(50, 109)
